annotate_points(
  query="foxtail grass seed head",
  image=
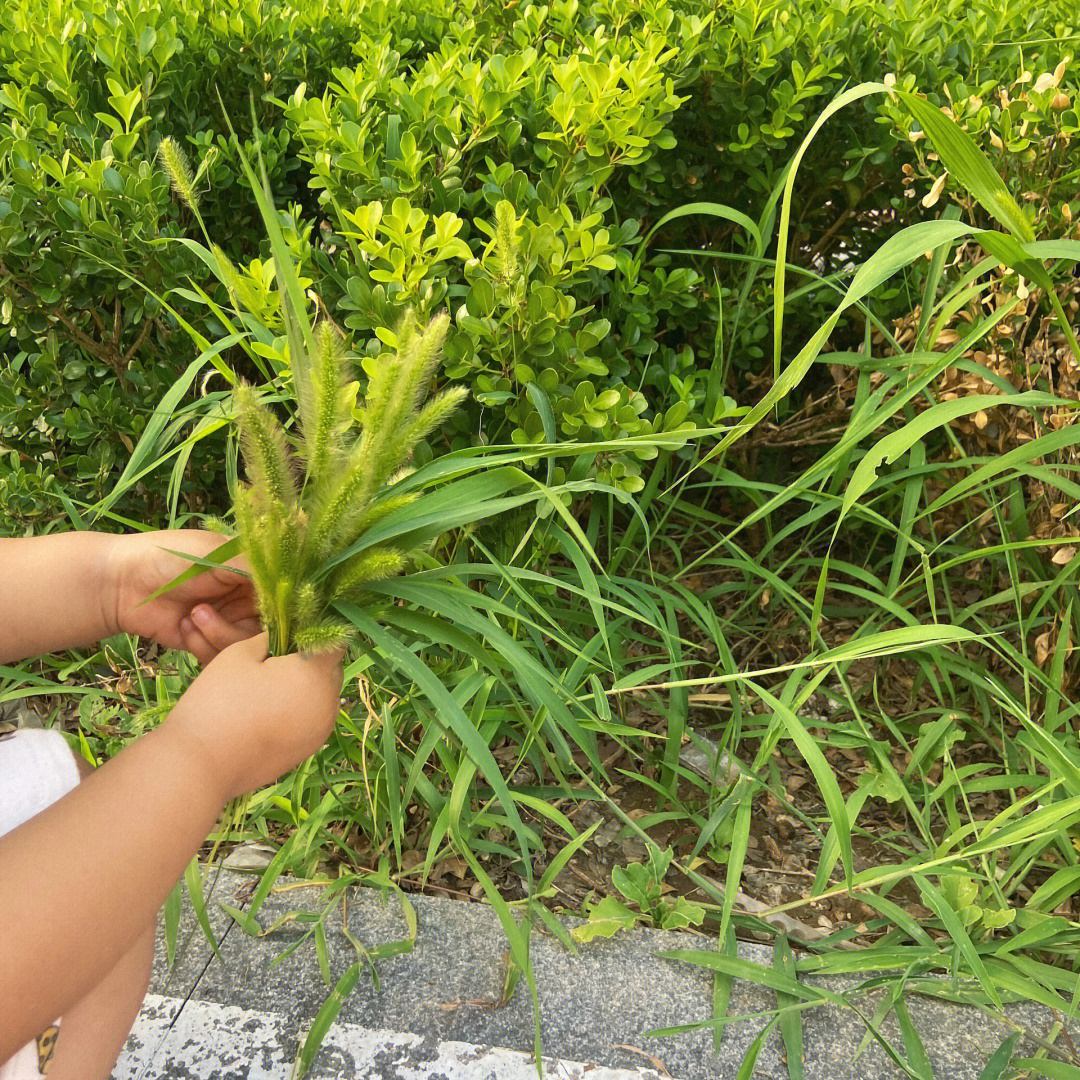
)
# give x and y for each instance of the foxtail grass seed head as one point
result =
(216, 524)
(175, 163)
(228, 275)
(323, 637)
(434, 414)
(343, 505)
(327, 414)
(375, 564)
(307, 604)
(426, 361)
(152, 715)
(386, 506)
(254, 547)
(507, 245)
(266, 451)
(291, 537)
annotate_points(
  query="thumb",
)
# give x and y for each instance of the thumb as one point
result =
(218, 631)
(323, 667)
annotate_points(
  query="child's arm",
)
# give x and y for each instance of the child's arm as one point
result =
(72, 589)
(80, 883)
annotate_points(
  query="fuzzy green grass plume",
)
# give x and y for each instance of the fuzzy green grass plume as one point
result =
(311, 495)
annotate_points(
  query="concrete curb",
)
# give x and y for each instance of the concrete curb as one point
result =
(209, 1041)
(433, 1013)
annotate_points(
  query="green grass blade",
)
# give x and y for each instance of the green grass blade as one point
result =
(722, 984)
(272, 872)
(449, 711)
(323, 1021)
(913, 1044)
(856, 93)
(193, 883)
(710, 209)
(171, 919)
(748, 1065)
(822, 773)
(199, 565)
(968, 165)
(1000, 1058)
(1048, 1067)
(790, 1019)
(294, 303)
(930, 286)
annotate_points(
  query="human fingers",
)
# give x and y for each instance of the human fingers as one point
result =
(218, 630)
(193, 641)
(239, 606)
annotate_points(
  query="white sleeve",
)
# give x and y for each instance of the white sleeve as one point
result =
(37, 767)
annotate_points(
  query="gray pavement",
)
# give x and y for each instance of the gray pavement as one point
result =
(434, 1012)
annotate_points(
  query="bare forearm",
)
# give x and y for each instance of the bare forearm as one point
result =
(55, 593)
(80, 882)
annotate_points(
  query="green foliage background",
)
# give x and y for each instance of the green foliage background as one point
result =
(396, 134)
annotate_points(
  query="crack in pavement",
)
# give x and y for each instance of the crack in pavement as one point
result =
(196, 933)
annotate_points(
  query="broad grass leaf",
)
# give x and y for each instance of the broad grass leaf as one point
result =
(748, 1065)
(272, 872)
(968, 165)
(171, 918)
(294, 303)
(1038, 936)
(517, 935)
(902, 639)
(1058, 761)
(748, 971)
(1061, 885)
(855, 93)
(740, 841)
(1069, 250)
(1043, 446)
(539, 683)
(723, 981)
(244, 919)
(148, 443)
(230, 549)
(555, 867)
(711, 209)
(542, 404)
(897, 252)
(193, 883)
(913, 1044)
(1048, 1067)
(888, 449)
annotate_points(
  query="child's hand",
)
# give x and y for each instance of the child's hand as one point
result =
(251, 717)
(203, 615)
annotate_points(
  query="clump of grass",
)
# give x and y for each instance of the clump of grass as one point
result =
(311, 496)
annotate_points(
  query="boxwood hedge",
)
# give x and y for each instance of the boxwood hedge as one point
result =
(504, 161)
